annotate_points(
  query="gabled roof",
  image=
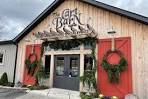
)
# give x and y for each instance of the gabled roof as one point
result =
(56, 3)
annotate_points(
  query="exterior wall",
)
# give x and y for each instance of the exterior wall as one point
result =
(9, 60)
(103, 21)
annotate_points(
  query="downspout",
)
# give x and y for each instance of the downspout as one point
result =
(14, 73)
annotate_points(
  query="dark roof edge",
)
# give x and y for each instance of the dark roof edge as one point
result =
(118, 11)
(7, 42)
(37, 20)
(56, 3)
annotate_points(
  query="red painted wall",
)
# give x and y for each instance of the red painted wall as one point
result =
(28, 79)
(125, 85)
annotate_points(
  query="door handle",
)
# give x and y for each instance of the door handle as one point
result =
(65, 72)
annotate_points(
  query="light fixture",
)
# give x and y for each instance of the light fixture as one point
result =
(111, 32)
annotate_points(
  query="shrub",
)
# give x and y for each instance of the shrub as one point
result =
(4, 79)
(84, 95)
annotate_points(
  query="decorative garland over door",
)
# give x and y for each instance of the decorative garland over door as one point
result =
(89, 76)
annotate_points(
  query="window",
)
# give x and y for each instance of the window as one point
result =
(47, 64)
(74, 66)
(60, 66)
(87, 62)
(1, 57)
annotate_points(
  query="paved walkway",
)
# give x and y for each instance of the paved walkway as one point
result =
(34, 96)
(53, 93)
(56, 93)
(6, 93)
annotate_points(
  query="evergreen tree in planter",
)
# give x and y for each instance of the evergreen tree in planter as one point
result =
(4, 79)
(40, 75)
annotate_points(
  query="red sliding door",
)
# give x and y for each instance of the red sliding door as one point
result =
(29, 79)
(125, 84)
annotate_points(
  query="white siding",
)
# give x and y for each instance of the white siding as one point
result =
(9, 60)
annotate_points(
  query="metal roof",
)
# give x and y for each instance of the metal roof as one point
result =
(6, 42)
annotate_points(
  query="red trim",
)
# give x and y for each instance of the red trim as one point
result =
(125, 86)
(27, 79)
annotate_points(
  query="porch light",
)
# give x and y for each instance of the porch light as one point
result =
(111, 32)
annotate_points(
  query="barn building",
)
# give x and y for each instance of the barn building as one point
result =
(61, 35)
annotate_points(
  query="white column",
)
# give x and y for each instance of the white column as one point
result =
(51, 71)
(81, 65)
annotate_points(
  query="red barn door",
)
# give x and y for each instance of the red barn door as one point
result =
(28, 79)
(125, 84)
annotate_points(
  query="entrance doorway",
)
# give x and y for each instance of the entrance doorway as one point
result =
(66, 72)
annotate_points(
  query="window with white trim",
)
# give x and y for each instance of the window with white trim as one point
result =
(1, 57)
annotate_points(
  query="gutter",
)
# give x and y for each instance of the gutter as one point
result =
(14, 73)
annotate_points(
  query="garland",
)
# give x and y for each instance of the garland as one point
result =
(89, 76)
(31, 66)
(67, 44)
(114, 70)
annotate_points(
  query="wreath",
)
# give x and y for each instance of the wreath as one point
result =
(31, 66)
(114, 70)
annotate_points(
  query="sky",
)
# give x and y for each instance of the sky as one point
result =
(15, 15)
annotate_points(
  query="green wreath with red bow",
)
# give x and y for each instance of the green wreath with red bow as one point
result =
(31, 66)
(114, 70)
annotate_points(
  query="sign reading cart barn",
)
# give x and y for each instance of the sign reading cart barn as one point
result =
(67, 17)
(66, 25)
